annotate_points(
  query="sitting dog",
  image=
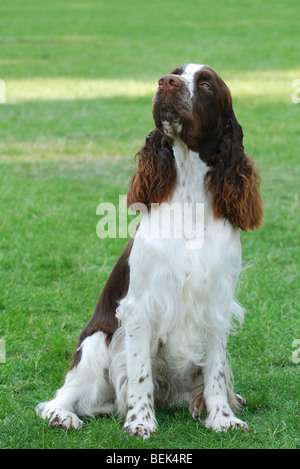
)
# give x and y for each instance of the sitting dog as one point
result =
(160, 328)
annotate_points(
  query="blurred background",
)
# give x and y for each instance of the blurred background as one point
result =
(79, 78)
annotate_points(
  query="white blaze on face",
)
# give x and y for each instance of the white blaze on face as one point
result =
(189, 73)
(174, 127)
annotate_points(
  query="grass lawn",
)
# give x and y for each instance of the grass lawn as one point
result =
(79, 83)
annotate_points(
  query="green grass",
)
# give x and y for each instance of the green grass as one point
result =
(79, 79)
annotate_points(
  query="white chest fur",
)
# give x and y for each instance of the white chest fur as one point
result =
(183, 282)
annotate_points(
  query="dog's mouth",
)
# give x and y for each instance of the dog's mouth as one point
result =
(171, 112)
(170, 121)
(168, 112)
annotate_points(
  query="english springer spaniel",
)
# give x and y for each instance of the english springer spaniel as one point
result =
(160, 328)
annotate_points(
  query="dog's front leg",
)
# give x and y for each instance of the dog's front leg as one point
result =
(140, 419)
(220, 416)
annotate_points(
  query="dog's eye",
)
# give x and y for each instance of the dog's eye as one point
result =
(205, 85)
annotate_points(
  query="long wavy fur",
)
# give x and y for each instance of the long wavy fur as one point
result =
(155, 177)
(231, 177)
(233, 181)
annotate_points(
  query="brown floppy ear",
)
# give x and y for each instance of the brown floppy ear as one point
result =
(155, 177)
(233, 180)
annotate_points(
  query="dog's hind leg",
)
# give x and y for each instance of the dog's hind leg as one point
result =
(86, 390)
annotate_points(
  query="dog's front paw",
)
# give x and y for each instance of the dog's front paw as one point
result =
(222, 418)
(139, 430)
(58, 417)
(140, 424)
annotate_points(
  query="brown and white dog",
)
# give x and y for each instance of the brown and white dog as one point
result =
(160, 328)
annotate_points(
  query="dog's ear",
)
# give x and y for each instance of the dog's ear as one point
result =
(233, 180)
(155, 176)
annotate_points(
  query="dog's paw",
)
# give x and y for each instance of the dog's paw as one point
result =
(139, 430)
(58, 417)
(222, 419)
(240, 400)
(141, 423)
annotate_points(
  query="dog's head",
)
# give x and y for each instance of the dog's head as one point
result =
(193, 104)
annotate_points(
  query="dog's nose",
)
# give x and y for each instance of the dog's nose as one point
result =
(169, 82)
